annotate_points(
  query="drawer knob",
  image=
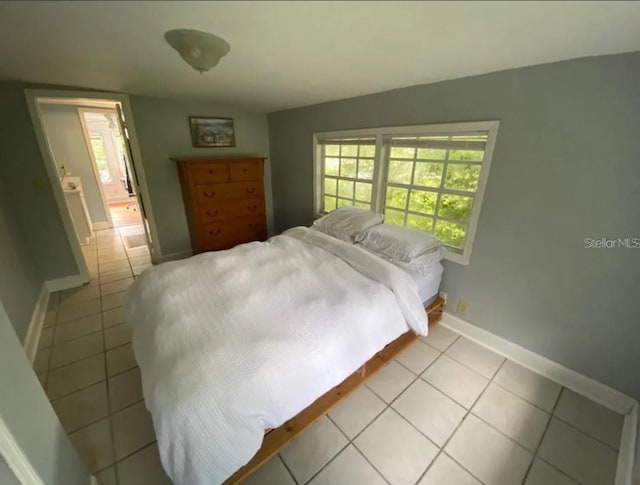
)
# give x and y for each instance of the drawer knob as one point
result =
(215, 233)
(211, 172)
(209, 194)
(245, 170)
(250, 190)
(212, 214)
(252, 207)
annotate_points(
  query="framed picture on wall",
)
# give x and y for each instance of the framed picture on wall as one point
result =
(212, 132)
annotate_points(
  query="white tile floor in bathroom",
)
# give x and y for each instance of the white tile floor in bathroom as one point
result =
(446, 412)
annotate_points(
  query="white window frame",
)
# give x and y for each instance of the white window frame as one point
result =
(381, 160)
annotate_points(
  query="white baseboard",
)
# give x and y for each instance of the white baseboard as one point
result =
(65, 283)
(98, 226)
(17, 462)
(627, 452)
(32, 339)
(172, 256)
(594, 390)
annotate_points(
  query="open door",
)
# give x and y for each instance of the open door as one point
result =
(122, 124)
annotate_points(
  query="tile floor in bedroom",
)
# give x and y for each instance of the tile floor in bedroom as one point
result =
(445, 412)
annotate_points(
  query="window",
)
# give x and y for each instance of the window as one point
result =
(347, 172)
(97, 145)
(430, 178)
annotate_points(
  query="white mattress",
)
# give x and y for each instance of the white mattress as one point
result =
(428, 284)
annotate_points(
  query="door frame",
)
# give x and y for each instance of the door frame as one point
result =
(32, 96)
(94, 163)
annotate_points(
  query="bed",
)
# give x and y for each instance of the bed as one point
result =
(265, 336)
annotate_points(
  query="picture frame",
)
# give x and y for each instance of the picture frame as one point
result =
(210, 131)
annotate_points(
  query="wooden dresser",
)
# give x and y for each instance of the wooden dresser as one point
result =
(224, 200)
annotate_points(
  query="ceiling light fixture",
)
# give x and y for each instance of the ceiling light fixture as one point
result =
(201, 50)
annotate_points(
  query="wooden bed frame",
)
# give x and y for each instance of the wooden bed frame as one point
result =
(275, 439)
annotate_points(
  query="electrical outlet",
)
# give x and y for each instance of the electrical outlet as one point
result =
(443, 295)
(462, 308)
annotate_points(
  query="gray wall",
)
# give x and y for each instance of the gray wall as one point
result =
(566, 166)
(64, 131)
(33, 244)
(163, 132)
(26, 411)
(20, 283)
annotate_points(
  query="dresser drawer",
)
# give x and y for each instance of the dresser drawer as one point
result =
(208, 173)
(252, 228)
(225, 235)
(230, 209)
(250, 170)
(210, 193)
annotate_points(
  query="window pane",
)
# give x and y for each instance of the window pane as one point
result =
(363, 191)
(462, 177)
(349, 151)
(345, 189)
(468, 155)
(455, 207)
(451, 234)
(365, 169)
(432, 153)
(97, 146)
(397, 197)
(367, 151)
(428, 174)
(344, 203)
(331, 166)
(332, 150)
(330, 186)
(394, 217)
(362, 205)
(329, 203)
(400, 172)
(423, 201)
(348, 167)
(399, 152)
(421, 223)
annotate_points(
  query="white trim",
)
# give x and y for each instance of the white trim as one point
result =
(33, 95)
(594, 390)
(93, 480)
(32, 339)
(626, 453)
(99, 226)
(16, 460)
(58, 194)
(381, 167)
(94, 163)
(65, 283)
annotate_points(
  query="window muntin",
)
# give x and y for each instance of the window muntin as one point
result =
(347, 173)
(432, 181)
(429, 177)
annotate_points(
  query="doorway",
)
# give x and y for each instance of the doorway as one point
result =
(112, 179)
(109, 155)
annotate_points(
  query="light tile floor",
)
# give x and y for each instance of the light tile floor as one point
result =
(87, 368)
(445, 412)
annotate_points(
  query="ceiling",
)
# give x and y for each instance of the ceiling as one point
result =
(288, 54)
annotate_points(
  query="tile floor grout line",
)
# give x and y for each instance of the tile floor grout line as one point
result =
(442, 449)
(293, 477)
(351, 443)
(286, 467)
(331, 460)
(546, 428)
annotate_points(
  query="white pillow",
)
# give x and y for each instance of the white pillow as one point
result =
(423, 264)
(398, 243)
(347, 222)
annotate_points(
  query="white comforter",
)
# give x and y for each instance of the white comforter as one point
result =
(235, 342)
